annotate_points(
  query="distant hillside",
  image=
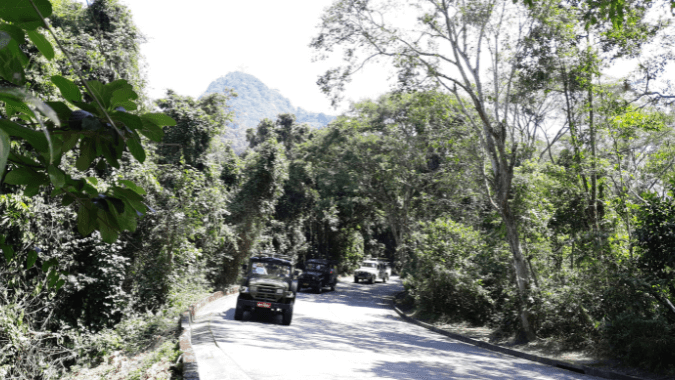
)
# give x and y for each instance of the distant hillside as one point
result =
(256, 101)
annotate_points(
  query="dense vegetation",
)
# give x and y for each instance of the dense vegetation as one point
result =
(536, 197)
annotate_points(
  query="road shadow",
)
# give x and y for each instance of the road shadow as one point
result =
(377, 295)
(428, 352)
(414, 370)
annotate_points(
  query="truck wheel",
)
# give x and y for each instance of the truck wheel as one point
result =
(370, 280)
(384, 279)
(287, 316)
(332, 286)
(356, 279)
(318, 288)
(238, 313)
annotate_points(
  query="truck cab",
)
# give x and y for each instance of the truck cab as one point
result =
(318, 274)
(269, 286)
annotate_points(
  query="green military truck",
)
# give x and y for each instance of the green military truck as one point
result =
(269, 286)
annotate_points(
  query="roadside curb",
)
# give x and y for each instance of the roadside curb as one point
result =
(552, 362)
(190, 368)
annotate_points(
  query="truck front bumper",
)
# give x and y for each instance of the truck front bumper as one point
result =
(365, 275)
(274, 306)
(307, 283)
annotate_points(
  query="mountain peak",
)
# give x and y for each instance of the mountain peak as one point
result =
(255, 101)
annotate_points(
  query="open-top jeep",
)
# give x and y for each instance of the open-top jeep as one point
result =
(372, 270)
(269, 286)
(318, 273)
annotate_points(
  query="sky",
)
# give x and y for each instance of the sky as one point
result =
(191, 43)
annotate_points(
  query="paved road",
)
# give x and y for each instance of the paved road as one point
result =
(351, 333)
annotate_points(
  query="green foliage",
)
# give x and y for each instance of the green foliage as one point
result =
(656, 238)
(266, 169)
(450, 272)
(197, 122)
(642, 342)
(82, 164)
(100, 138)
(568, 314)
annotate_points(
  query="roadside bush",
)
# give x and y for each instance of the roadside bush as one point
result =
(93, 296)
(444, 278)
(637, 327)
(642, 342)
(566, 313)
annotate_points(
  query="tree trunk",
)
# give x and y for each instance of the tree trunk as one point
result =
(521, 269)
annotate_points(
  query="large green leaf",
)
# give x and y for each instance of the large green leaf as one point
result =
(122, 97)
(61, 109)
(158, 119)
(22, 11)
(57, 176)
(110, 154)
(132, 186)
(17, 52)
(23, 160)
(129, 120)
(89, 107)
(4, 151)
(127, 219)
(8, 251)
(43, 45)
(136, 148)
(31, 259)
(24, 99)
(68, 88)
(48, 264)
(152, 131)
(33, 137)
(69, 141)
(25, 176)
(87, 154)
(98, 89)
(13, 32)
(89, 189)
(108, 227)
(11, 65)
(126, 194)
(31, 190)
(87, 219)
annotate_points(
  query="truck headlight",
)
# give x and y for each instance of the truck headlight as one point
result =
(290, 294)
(280, 291)
(243, 289)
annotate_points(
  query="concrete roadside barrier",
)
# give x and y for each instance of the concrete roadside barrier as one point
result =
(190, 368)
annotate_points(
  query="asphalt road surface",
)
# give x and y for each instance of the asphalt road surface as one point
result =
(349, 333)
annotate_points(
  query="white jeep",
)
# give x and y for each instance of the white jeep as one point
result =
(372, 270)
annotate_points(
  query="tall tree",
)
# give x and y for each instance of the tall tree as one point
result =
(448, 49)
(197, 123)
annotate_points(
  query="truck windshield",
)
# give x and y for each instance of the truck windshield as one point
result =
(314, 266)
(368, 265)
(270, 269)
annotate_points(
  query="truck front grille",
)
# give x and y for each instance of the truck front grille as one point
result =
(266, 293)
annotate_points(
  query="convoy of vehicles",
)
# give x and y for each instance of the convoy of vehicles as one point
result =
(270, 284)
(318, 274)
